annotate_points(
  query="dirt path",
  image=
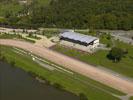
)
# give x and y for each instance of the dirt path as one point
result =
(77, 66)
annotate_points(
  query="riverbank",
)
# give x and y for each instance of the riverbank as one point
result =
(28, 88)
(76, 84)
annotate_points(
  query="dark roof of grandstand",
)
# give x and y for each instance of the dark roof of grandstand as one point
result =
(79, 37)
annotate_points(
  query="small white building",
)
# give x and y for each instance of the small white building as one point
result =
(23, 1)
(79, 41)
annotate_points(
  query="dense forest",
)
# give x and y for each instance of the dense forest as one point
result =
(95, 14)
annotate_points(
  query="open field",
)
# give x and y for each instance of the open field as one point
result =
(131, 98)
(15, 36)
(49, 32)
(44, 2)
(87, 70)
(73, 83)
(124, 67)
(33, 37)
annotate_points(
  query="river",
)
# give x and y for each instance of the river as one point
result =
(16, 84)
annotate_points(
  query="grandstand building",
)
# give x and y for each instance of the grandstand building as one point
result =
(79, 41)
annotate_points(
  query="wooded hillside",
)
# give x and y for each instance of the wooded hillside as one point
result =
(97, 14)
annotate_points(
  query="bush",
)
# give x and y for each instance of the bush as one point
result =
(58, 86)
(0, 54)
(44, 79)
(12, 63)
(108, 36)
(116, 54)
(108, 45)
(32, 74)
(83, 96)
(3, 58)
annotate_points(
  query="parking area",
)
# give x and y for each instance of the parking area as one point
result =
(124, 36)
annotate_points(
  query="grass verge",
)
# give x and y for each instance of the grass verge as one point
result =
(33, 37)
(15, 36)
(131, 98)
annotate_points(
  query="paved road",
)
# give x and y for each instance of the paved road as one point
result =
(124, 39)
(77, 66)
(124, 36)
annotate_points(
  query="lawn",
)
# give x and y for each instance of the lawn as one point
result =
(131, 98)
(34, 37)
(44, 2)
(124, 67)
(73, 83)
(15, 36)
(50, 32)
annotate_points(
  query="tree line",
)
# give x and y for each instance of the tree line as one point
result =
(95, 14)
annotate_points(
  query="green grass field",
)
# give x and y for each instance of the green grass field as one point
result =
(15, 36)
(131, 98)
(50, 32)
(73, 83)
(124, 67)
(34, 37)
(44, 2)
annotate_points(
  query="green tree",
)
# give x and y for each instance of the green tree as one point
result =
(116, 54)
(110, 21)
(95, 14)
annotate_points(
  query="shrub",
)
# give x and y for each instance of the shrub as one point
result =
(83, 96)
(116, 54)
(58, 86)
(3, 58)
(12, 63)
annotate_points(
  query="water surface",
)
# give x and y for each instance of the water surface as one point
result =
(15, 84)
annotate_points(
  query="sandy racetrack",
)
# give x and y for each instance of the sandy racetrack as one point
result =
(77, 66)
